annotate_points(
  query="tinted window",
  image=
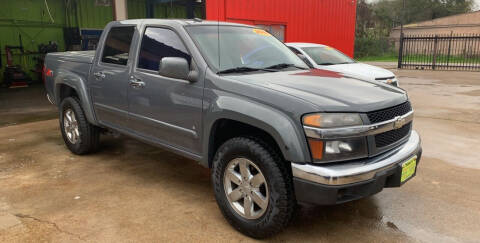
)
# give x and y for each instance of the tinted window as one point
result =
(158, 43)
(117, 45)
(325, 55)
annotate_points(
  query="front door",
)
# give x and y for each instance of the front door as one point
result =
(165, 110)
(109, 78)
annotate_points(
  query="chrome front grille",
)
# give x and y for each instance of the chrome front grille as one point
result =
(389, 113)
(392, 136)
(383, 140)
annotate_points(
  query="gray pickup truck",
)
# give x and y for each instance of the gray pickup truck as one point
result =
(274, 132)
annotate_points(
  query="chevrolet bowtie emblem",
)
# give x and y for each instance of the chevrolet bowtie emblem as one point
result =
(399, 122)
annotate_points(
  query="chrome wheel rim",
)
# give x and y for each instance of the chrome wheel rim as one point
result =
(70, 126)
(246, 188)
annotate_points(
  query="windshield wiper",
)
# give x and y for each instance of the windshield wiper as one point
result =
(329, 63)
(243, 69)
(283, 65)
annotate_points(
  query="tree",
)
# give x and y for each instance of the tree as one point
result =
(375, 20)
(365, 18)
(390, 12)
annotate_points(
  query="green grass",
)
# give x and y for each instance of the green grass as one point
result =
(420, 58)
(441, 59)
(385, 58)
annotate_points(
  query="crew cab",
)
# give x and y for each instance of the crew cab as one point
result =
(232, 97)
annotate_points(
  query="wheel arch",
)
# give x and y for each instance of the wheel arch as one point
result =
(68, 84)
(231, 116)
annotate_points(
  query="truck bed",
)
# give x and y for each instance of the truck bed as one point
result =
(74, 56)
(72, 67)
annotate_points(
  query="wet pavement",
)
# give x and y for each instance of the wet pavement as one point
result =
(22, 105)
(130, 191)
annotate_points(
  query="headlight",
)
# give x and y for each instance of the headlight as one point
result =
(393, 82)
(335, 150)
(330, 120)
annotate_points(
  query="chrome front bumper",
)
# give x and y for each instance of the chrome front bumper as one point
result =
(359, 170)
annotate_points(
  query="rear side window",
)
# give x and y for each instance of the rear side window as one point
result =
(117, 45)
(158, 43)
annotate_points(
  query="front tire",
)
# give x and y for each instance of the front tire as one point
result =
(253, 187)
(79, 135)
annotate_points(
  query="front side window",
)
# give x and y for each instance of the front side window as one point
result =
(229, 47)
(325, 55)
(117, 45)
(158, 43)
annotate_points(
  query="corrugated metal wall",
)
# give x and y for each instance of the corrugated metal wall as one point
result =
(330, 22)
(93, 16)
(30, 19)
(136, 9)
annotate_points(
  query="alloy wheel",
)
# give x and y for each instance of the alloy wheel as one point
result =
(70, 126)
(246, 188)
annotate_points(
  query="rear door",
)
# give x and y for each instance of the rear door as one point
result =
(110, 76)
(165, 110)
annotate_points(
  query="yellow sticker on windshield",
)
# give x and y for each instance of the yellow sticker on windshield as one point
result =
(261, 32)
(329, 48)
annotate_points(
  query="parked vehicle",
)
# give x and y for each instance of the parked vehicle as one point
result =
(329, 58)
(274, 132)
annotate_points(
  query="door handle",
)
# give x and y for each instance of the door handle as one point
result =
(137, 83)
(99, 75)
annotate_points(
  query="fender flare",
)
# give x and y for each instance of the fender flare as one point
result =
(281, 127)
(79, 84)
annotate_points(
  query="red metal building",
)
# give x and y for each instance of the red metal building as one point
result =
(329, 22)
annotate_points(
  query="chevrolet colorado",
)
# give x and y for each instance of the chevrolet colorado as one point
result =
(274, 132)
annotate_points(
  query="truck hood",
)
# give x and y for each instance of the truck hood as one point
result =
(330, 91)
(359, 70)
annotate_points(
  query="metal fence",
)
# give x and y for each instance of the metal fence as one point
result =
(440, 52)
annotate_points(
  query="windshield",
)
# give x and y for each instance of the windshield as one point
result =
(242, 48)
(325, 55)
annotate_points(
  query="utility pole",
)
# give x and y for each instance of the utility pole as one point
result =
(400, 48)
(402, 18)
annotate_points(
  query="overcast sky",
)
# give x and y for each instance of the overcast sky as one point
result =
(476, 1)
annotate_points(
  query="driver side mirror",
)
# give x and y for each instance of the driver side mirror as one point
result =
(177, 67)
(305, 60)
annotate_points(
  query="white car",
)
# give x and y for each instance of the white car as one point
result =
(329, 58)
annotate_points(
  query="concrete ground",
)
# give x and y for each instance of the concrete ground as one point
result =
(130, 191)
(23, 105)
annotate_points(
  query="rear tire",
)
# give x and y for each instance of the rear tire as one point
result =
(261, 159)
(79, 135)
